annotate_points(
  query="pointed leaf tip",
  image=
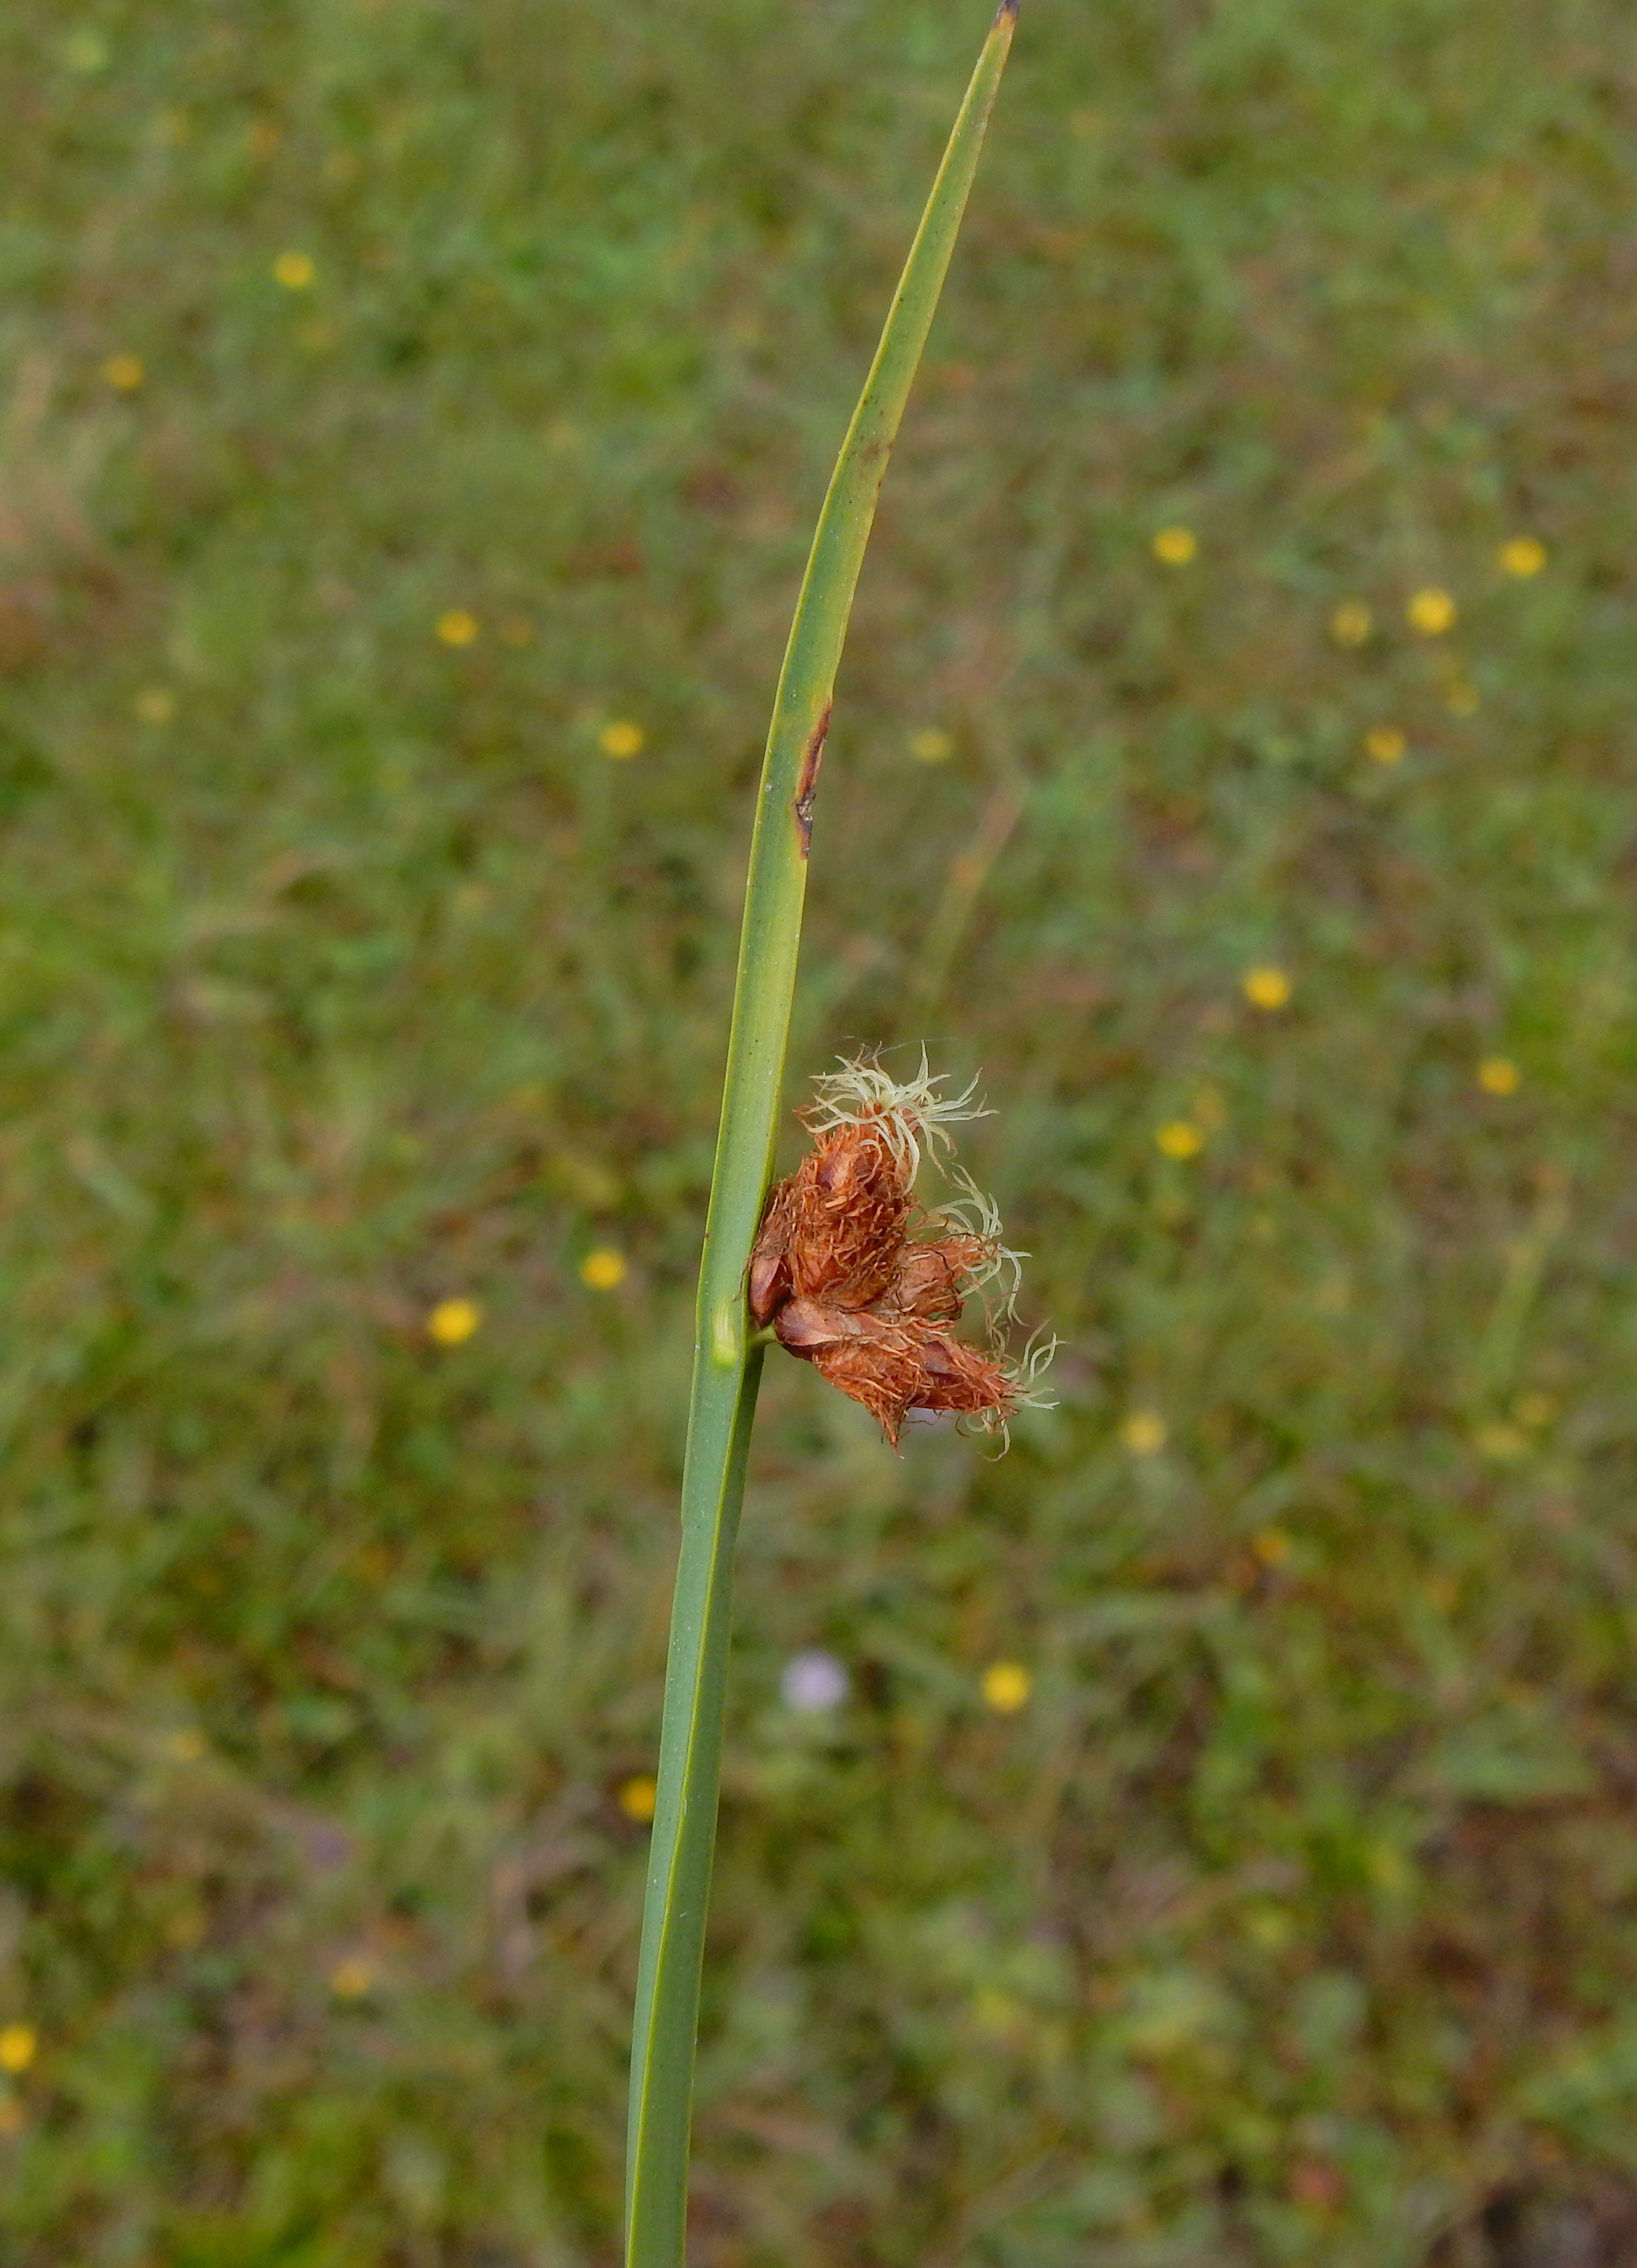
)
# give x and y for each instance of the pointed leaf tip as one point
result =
(1007, 12)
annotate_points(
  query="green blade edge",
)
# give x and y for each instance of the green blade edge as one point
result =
(727, 1368)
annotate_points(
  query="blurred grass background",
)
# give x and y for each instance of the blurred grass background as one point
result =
(413, 421)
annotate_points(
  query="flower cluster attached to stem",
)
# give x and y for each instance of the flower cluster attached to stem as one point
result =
(856, 1279)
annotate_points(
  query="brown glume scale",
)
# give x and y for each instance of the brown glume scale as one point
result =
(856, 1279)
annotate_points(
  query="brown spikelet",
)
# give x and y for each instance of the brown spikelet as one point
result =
(846, 1286)
(768, 1286)
(957, 1379)
(894, 1362)
(834, 1230)
(930, 1278)
(882, 1378)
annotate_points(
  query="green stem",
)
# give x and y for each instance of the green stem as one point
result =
(727, 1366)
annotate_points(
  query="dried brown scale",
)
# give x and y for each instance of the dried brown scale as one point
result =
(836, 1272)
(932, 1275)
(956, 1378)
(835, 1228)
(894, 1363)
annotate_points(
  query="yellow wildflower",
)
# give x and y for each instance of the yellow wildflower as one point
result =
(1267, 987)
(1176, 546)
(124, 372)
(1389, 1869)
(352, 1978)
(1352, 622)
(85, 51)
(458, 626)
(452, 1322)
(638, 1797)
(1430, 612)
(1272, 1546)
(1502, 1443)
(622, 739)
(603, 1270)
(1179, 1137)
(1499, 1075)
(1521, 555)
(19, 2043)
(1143, 1434)
(1386, 744)
(930, 746)
(295, 270)
(1005, 1687)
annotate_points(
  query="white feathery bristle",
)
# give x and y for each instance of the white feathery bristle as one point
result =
(1024, 1375)
(1028, 1368)
(909, 1110)
(977, 1214)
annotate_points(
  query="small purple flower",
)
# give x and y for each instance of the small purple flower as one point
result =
(814, 1681)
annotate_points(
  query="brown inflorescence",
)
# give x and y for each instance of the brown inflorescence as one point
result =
(846, 1287)
(835, 1229)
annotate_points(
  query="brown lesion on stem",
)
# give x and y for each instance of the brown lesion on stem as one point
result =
(807, 786)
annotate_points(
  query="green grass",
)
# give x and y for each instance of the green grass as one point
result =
(340, 973)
